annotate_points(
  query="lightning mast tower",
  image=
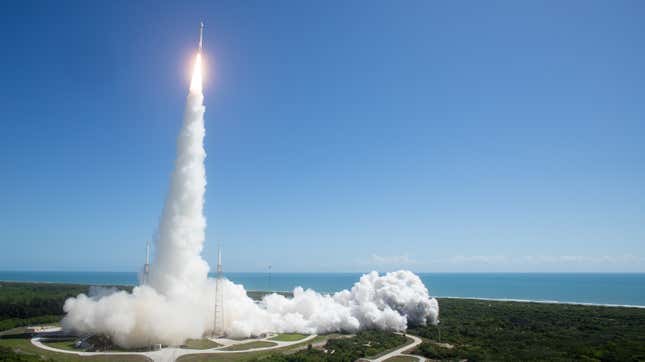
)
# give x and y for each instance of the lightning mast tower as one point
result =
(146, 266)
(218, 317)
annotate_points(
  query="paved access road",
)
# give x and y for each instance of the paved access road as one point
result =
(400, 351)
(171, 354)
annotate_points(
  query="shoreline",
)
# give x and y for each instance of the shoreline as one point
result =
(539, 301)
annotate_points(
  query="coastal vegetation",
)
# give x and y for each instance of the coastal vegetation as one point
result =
(23, 304)
(479, 330)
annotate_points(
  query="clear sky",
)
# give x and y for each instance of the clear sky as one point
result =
(341, 135)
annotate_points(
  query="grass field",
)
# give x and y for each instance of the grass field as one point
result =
(67, 345)
(343, 348)
(13, 331)
(253, 356)
(22, 346)
(288, 337)
(402, 359)
(200, 344)
(250, 345)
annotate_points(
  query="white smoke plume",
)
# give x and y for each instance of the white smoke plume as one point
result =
(179, 301)
(179, 267)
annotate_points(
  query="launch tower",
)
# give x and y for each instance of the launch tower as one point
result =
(218, 316)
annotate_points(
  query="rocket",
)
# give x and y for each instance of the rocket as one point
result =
(201, 36)
(196, 80)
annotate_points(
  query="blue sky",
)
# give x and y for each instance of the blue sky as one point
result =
(341, 136)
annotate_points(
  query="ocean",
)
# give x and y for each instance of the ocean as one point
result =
(592, 288)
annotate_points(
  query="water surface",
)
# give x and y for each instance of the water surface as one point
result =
(596, 288)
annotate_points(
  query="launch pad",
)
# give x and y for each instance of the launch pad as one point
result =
(216, 346)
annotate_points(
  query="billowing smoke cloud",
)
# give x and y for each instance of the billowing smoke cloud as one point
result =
(178, 302)
(145, 316)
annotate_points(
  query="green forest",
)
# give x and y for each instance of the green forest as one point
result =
(23, 304)
(479, 330)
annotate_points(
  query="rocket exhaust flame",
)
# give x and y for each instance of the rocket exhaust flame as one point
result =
(196, 80)
(177, 303)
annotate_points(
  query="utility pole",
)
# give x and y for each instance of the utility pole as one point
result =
(269, 280)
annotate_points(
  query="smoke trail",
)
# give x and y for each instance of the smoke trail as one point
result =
(178, 302)
(178, 266)
(175, 305)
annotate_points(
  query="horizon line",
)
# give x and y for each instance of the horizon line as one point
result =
(333, 272)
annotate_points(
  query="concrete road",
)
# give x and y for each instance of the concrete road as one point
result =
(399, 352)
(171, 354)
